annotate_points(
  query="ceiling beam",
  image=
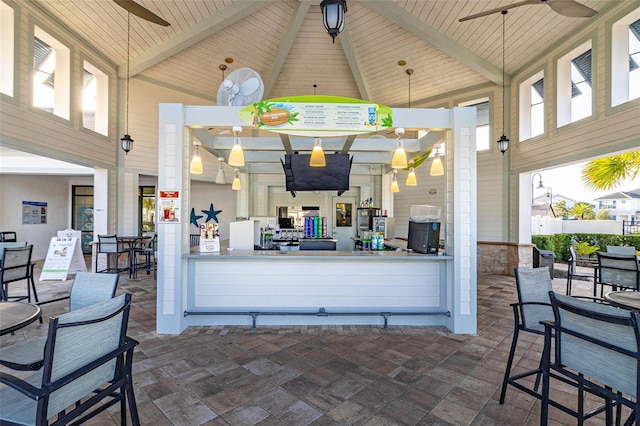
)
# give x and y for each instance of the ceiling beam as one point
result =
(193, 35)
(348, 143)
(291, 34)
(428, 34)
(349, 52)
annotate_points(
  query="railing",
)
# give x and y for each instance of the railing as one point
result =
(630, 227)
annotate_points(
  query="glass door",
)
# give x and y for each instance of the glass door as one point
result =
(147, 209)
(82, 216)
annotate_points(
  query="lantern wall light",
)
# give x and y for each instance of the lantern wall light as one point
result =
(333, 16)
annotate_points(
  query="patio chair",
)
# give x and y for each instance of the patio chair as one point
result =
(17, 266)
(87, 289)
(8, 236)
(572, 270)
(87, 369)
(596, 347)
(533, 286)
(144, 258)
(112, 248)
(617, 270)
(621, 250)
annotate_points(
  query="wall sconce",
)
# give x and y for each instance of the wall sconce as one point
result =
(221, 179)
(399, 160)
(436, 166)
(196, 162)
(333, 16)
(317, 155)
(394, 183)
(236, 186)
(411, 178)
(236, 158)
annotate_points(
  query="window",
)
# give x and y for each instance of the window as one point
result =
(52, 74)
(532, 106)
(6, 49)
(95, 99)
(625, 59)
(574, 92)
(483, 132)
(147, 208)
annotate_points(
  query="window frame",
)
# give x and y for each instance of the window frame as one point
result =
(106, 102)
(563, 96)
(14, 42)
(525, 86)
(489, 98)
(617, 31)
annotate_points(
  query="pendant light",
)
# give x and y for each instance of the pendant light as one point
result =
(436, 165)
(411, 177)
(126, 143)
(394, 182)
(333, 16)
(196, 162)
(399, 160)
(317, 155)
(236, 186)
(221, 179)
(236, 158)
(503, 142)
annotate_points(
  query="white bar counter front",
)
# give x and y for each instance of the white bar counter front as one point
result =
(267, 288)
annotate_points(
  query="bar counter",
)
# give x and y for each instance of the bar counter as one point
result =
(316, 287)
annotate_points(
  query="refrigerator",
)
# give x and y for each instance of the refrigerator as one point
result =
(384, 225)
(365, 219)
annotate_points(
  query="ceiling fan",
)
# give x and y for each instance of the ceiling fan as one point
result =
(141, 12)
(570, 8)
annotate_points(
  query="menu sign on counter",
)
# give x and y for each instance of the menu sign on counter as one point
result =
(317, 115)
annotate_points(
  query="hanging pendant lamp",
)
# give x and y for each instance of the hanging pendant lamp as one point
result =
(221, 179)
(317, 155)
(399, 159)
(333, 16)
(196, 162)
(411, 178)
(126, 143)
(503, 142)
(437, 169)
(236, 185)
(236, 158)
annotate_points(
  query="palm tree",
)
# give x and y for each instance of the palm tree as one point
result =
(583, 211)
(608, 172)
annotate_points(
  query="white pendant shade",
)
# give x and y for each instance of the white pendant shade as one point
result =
(399, 160)
(436, 167)
(196, 162)
(221, 179)
(394, 183)
(236, 158)
(411, 178)
(236, 185)
(317, 155)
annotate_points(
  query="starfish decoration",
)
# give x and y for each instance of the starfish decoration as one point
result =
(195, 217)
(211, 214)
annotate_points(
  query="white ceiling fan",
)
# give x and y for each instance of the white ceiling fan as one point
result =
(570, 8)
(141, 12)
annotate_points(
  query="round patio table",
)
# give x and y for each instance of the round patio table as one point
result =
(15, 315)
(624, 299)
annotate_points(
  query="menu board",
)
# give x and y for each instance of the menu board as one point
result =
(317, 115)
(34, 212)
(64, 255)
(168, 206)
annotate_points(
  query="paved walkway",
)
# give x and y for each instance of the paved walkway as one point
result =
(350, 375)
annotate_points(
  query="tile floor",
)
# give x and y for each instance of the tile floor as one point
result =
(349, 375)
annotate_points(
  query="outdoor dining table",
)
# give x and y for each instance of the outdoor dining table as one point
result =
(15, 315)
(132, 242)
(624, 299)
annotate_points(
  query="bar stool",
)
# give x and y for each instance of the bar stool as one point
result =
(109, 245)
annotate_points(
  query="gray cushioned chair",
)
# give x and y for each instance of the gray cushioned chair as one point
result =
(87, 369)
(87, 289)
(16, 266)
(113, 249)
(597, 347)
(618, 271)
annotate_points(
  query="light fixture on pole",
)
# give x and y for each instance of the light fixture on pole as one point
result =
(437, 169)
(236, 186)
(317, 155)
(550, 195)
(540, 186)
(221, 179)
(394, 182)
(399, 159)
(196, 162)
(236, 158)
(126, 143)
(333, 16)
(411, 177)
(503, 142)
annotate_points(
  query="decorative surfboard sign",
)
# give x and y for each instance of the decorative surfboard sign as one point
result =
(317, 116)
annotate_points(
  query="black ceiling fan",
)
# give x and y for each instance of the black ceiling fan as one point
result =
(570, 8)
(141, 12)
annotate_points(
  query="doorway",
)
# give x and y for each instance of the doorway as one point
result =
(147, 209)
(343, 222)
(82, 216)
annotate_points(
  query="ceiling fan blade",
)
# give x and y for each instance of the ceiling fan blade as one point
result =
(141, 12)
(499, 9)
(571, 8)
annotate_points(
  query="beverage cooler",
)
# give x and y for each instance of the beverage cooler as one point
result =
(384, 225)
(365, 219)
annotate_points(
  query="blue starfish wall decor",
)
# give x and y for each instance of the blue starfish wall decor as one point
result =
(211, 214)
(195, 217)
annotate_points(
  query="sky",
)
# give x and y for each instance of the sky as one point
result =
(567, 181)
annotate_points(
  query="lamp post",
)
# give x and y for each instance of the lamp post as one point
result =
(539, 184)
(550, 195)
